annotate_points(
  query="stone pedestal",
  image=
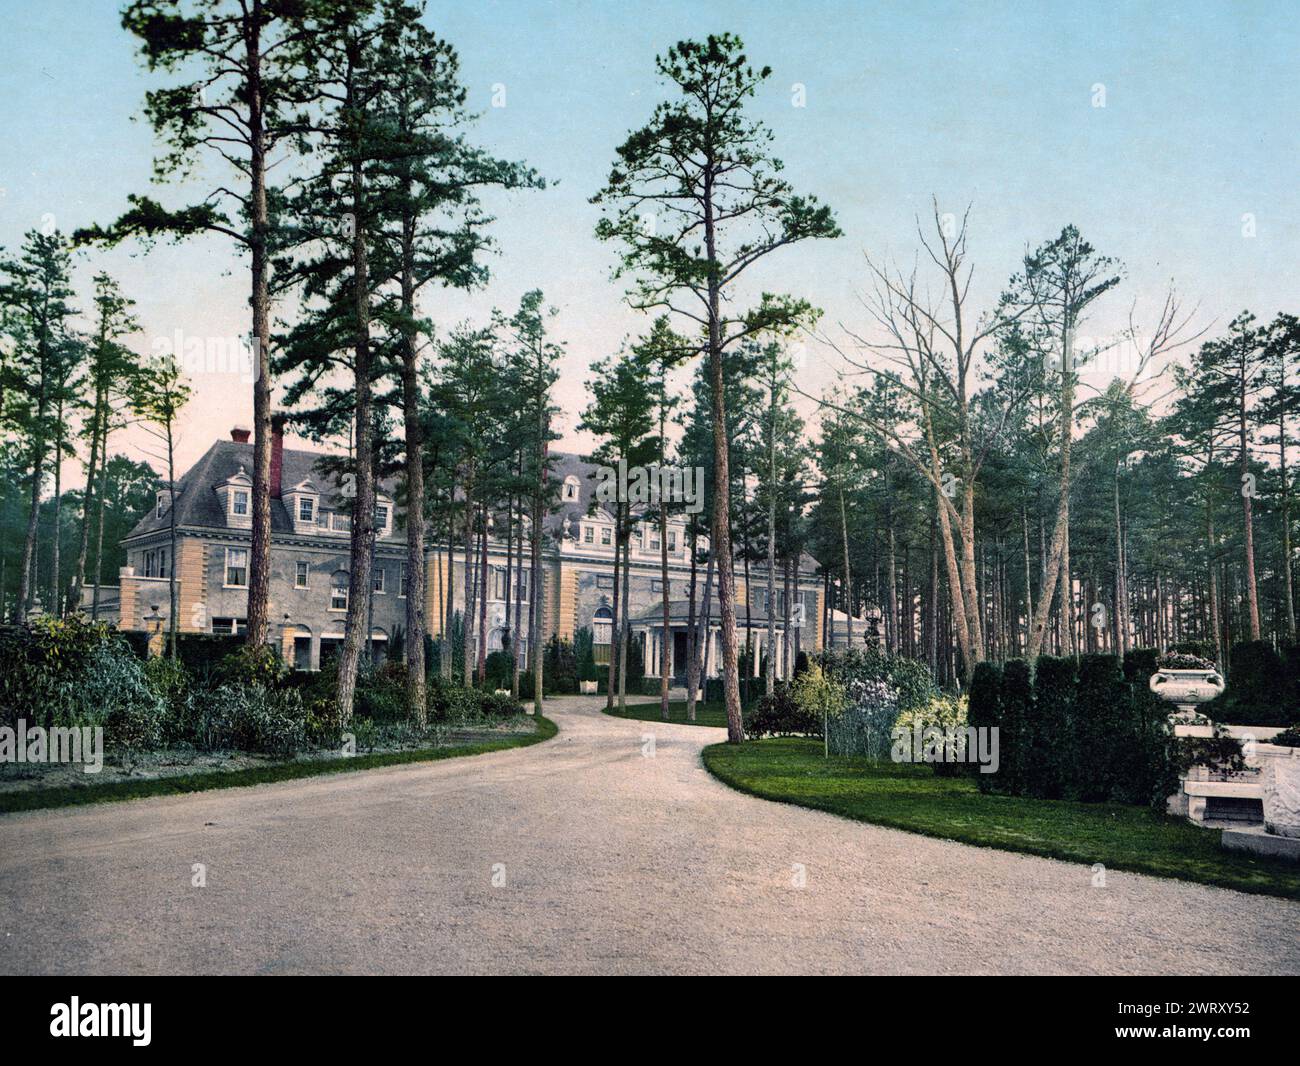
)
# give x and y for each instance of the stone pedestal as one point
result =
(1280, 779)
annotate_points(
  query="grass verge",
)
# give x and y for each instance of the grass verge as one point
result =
(258, 775)
(911, 797)
(711, 714)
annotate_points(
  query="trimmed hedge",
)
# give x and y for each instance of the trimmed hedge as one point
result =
(1102, 735)
(985, 712)
(1089, 730)
(1053, 753)
(1016, 741)
(1263, 686)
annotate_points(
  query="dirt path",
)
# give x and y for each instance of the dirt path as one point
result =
(606, 859)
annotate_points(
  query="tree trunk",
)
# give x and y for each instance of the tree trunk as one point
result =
(56, 597)
(720, 541)
(416, 700)
(1247, 500)
(259, 556)
(611, 686)
(87, 502)
(692, 669)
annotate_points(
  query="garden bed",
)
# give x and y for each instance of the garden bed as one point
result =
(34, 786)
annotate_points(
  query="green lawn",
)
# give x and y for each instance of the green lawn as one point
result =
(37, 799)
(911, 797)
(714, 714)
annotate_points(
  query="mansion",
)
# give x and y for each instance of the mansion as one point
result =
(310, 529)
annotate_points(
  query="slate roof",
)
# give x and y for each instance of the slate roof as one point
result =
(197, 502)
(199, 505)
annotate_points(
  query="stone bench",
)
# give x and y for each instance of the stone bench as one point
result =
(1230, 801)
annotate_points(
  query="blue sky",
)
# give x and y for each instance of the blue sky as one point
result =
(984, 104)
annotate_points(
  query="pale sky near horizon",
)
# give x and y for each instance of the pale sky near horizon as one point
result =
(989, 104)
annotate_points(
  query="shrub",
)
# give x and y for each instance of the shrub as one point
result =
(1256, 690)
(944, 713)
(252, 666)
(1288, 738)
(1052, 759)
(1103, 732)
(910, 679)
(170, 681)
(111, 687)
(41, 664)
(203, 653)
(499, 706)
(780, 715)
(464, 704)
(865, 726)
(584, 654)
(497, 670)
(1016, 730)
(560, 673)
(365, 734)
(249, 716)
(380, 694)
(985, 708)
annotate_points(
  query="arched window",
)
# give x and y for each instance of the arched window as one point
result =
(570, 488)
(602, 626)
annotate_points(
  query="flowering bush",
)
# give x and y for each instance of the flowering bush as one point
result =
(865, 724)
(1181, 660)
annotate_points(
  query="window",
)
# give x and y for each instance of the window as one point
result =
(303, 569)
(306, 509)
(377, 580)
(239, 502)
(498, 583)
(672, 540)
(237, 568)
(588, 535)
(381, 516)
(341, 523)
(570, 488)
(605, 535)
(401, 579)
(162, 562)
(339, 591)
(161, 508)
(602, 626)
(654, 540)
(229, 627)
(151, 564)
(521, 587)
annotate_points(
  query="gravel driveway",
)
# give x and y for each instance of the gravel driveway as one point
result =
(583, 854)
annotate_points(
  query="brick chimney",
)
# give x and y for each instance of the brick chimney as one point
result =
(239, 435)
(277, 454)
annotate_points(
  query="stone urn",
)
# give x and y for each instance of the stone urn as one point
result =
(587, 688)
(1280, 779)
(1187, 687)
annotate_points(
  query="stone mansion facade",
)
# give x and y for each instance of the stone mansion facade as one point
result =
(310, 528)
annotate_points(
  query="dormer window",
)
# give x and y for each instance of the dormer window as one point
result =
(303, 504)
(236, 494)
(162, 504)
(570, 488)
(381, 516)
